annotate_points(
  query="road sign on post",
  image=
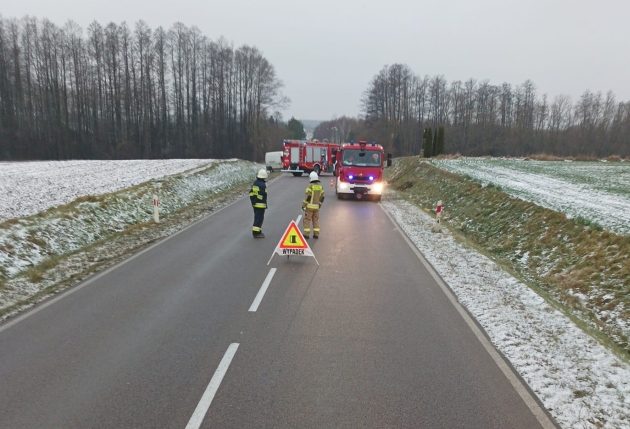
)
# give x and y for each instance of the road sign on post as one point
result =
(293, 243)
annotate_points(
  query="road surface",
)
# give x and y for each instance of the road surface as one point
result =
(170, 338)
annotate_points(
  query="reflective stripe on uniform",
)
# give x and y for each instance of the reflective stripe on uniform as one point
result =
(314, 195)
(256, 228)
(255, 192)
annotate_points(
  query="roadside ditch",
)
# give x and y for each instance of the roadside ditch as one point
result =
(575, 265)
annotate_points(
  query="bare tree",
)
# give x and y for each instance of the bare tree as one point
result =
(117, 93)
(481, 118)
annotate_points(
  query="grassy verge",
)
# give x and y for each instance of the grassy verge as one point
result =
(577, 266)
(77, 240)
(58, 273)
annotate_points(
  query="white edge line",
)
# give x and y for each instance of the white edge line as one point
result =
(516, 382)
(298, 219)
(263, 289)
(206, 399)
(73, 289)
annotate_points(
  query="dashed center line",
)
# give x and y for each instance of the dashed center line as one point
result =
(263, 289)
(204, 404)
(202, 408)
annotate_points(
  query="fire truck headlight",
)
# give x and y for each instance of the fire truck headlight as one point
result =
(343, 186)
(378, 188)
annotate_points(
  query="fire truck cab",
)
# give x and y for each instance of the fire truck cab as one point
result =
(359, 170)
(302, 156)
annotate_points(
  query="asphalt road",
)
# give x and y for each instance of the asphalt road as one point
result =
(167, 339)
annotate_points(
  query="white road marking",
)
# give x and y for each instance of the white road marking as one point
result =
(263, 289)
(298, 219)
(202, 408)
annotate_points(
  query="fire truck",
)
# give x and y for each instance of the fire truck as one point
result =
(304, 156)
(359, 170)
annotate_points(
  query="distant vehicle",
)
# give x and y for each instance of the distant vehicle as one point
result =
(359, 170)
(304, 156)
(273, 160)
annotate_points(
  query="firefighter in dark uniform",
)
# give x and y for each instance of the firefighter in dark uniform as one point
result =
(258, 197)
(311, 205)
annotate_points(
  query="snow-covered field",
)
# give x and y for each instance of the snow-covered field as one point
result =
(578, 380)
(29, 241)
(581, 383)
(31, 187)
(595, 191)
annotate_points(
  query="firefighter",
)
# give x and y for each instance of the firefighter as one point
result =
(258, 197)
(311, 205)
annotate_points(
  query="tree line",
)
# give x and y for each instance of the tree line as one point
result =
(479, 118)
(117, 92)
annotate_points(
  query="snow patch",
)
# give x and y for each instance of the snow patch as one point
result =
(594, 191)
(31, 187)
(579, 381)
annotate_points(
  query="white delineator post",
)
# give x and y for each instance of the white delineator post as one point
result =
(439, 209)
(156, 208)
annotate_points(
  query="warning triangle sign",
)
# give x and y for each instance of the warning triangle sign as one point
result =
(293, 238)
(293, 243)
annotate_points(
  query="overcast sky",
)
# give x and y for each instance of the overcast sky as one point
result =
(327, 51)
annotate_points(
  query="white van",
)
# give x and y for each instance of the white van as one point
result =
(273, 160)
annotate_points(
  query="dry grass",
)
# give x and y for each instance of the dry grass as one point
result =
(6, 248)
(36, 274)
(36, 241)
(589, 158)
(580, 394)
(546, 157)
(87, 199)
(455, 155)
(9, 222)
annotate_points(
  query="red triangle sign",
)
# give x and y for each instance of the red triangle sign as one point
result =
(293, 243)
(293, 238)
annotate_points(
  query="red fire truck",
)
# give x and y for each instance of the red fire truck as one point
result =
(304, 156)
(359, 170)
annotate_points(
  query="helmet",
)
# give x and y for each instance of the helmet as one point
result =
(313, 176)
(262, 174)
